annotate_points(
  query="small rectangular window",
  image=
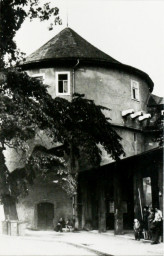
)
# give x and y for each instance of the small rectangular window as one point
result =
(40, 77)
(63, 83)
(135, 90)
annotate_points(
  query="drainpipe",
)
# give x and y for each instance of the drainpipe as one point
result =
(73, 77)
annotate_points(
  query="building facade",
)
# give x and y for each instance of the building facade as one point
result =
(110, 196)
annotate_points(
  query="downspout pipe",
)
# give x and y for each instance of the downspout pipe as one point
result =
(73, 77)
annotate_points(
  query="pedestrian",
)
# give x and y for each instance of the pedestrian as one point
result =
(69, 225)
(150, 221)
(156, 226)
(60, 225)
(145, 222)
(137, 229)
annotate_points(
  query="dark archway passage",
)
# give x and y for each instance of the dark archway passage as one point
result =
(45, 216)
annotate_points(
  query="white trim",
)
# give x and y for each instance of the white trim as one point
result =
(39, 75)
(135, 86)
(57, 75)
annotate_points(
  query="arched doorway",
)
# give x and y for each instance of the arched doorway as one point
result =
(45, 213)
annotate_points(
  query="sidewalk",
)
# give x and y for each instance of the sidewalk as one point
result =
(104, 243)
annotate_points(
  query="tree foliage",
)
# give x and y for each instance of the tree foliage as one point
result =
(79, 126)
(26, 108)
(12, 15)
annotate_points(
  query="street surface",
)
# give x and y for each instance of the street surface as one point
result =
(81, 243)
(22, 246)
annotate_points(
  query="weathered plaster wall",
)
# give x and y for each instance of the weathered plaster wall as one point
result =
(52, 193)
(112, 89)
(132, 141)
(16, 158)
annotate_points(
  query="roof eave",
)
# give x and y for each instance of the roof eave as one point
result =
(100, 62)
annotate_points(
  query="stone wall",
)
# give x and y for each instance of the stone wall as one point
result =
(40, 193)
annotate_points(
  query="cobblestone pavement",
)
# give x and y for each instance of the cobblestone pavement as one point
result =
(93, 243)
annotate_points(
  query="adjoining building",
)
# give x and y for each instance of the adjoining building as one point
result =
(110, 196)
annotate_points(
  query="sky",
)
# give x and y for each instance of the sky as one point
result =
(131, 31)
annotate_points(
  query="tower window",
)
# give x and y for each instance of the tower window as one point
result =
(63, 83)
(39, 76)
(135, 90)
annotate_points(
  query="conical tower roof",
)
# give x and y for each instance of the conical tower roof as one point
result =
(68, 45)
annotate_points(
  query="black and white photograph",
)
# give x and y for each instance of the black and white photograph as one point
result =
(81, 127)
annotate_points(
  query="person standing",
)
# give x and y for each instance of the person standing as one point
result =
(137, 229)
(145, 222)
(150, 221)
(156, 232)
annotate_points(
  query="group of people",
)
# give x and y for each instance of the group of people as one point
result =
(62, 224)
(150, 227)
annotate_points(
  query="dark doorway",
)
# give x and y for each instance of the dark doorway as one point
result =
(109, 214)
(45, 216)
(127, 201)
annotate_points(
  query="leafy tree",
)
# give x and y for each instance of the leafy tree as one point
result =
(80, 126)
(12, 15)
(26, 108)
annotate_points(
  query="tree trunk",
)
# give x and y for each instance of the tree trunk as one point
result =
(3, 174)
(8, 201)
(10, 208)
